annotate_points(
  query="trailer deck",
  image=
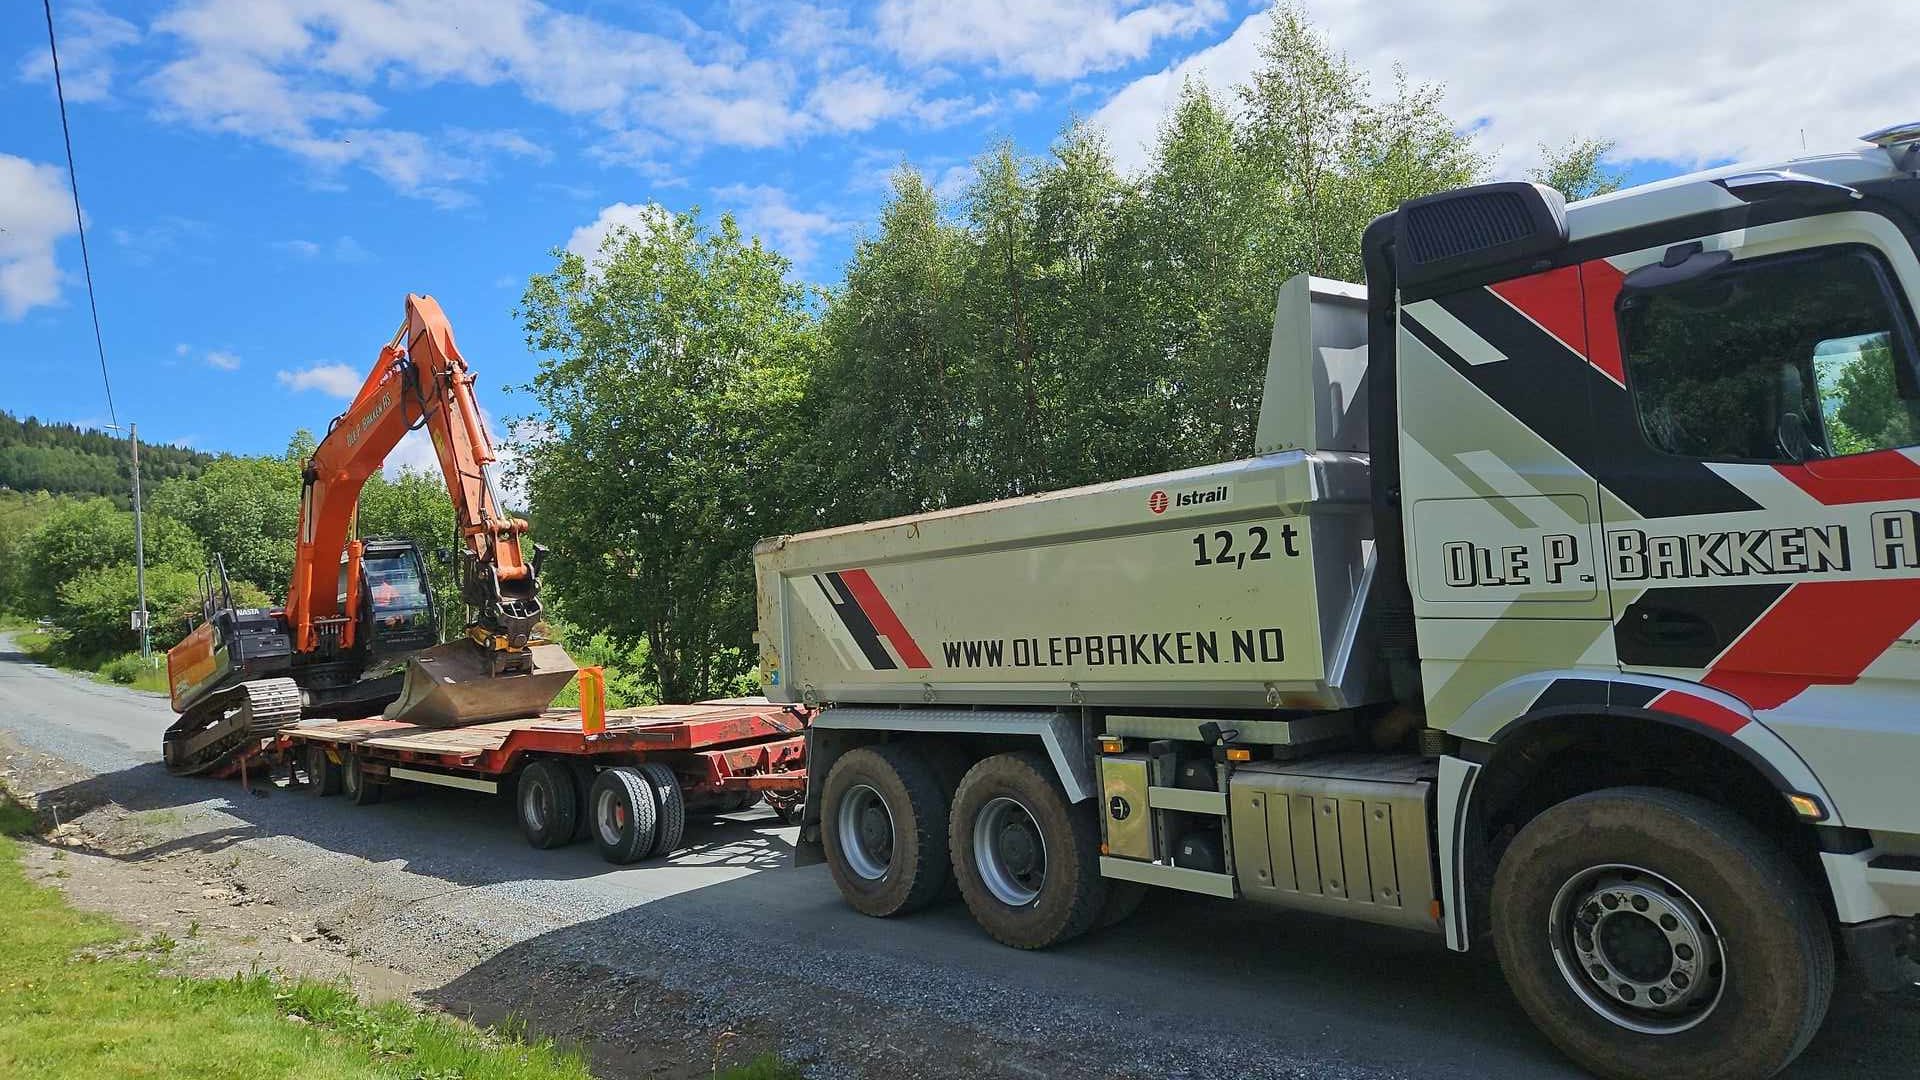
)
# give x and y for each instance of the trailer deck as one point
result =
(715, 755)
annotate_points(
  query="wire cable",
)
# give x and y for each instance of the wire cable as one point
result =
(73, 182)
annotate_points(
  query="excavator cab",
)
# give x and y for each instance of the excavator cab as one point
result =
(397, 612)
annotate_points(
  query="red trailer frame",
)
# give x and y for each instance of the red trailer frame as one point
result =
(719, 752)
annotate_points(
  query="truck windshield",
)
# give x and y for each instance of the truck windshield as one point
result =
(1784, 358)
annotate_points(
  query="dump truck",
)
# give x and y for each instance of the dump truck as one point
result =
(1566, 605)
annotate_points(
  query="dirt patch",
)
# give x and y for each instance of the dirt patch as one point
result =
(194, 904)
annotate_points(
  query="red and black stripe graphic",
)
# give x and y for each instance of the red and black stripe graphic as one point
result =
(1578, 406)
(871, 620)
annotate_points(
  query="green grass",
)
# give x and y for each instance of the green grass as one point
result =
(123, 670)
(69, 1013)
(65, 1015)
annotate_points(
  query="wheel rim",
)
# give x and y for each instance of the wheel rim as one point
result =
(316, 768)
(865, 826)
(1637, 949)
(350, 776)
(1010, 852)
(610, 817)
(536, 805)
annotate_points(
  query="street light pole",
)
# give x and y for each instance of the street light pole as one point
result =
(139, 544)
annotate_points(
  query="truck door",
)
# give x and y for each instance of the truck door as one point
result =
(1759, 493)
(1501, 511)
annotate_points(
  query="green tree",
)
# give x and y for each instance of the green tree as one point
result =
(671, 370)
(1576, 169)
(94, 535)
(95, 604)
(245, 509)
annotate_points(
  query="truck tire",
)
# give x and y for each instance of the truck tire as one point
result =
(1123, 899)
(884, 825)
(623, 815)
(583, 777)
(1653, 933)
(670, 808)
(323, 776)
(549, 803)
(355, 784)
(1028, 860)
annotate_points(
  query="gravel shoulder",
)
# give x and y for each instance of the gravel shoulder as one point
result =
(725, 951)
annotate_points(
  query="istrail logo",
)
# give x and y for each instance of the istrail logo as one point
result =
(1159, 502)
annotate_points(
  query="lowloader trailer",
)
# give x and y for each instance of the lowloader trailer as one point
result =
(624, 779)
(1568, 605)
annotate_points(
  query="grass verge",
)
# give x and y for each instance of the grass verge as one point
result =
(67, 1013)
(126, 669)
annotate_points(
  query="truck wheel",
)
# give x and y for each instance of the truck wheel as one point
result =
(1028, 860)
(323, 776)
(884, 826)
(549, 803)
(356, 785)
(623, 815)
(670, 808)
(1652, 933)
(1123, 899)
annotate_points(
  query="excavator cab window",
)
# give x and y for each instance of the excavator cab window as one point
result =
(399, 604)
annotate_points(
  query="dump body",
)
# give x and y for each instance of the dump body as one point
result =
(1232, 585)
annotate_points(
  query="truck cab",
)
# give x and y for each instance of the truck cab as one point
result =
(1569, 604)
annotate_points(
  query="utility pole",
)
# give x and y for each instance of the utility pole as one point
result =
(139, 543)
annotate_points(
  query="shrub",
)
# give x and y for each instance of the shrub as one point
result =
(124, 669)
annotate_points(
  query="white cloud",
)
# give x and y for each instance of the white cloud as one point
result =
(345, 249)
(953, 181)
(766, 211)
(586, 240)
(337, 380)
(35, 212)
(1668, 81)
(855, 100)
(1045, 39)
(299, 75)
(225, 361)
(182, 349)
(88, 38)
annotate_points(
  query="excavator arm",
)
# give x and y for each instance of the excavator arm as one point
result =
(421, 380)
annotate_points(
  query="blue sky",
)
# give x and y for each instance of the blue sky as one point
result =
(263, 180)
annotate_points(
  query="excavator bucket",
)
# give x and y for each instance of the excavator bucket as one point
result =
(452, 685)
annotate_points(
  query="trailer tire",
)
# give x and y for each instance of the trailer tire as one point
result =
(355, 785)
(670, 808)
(884, 827)
(623, 815)
(549, 803)
(583, 777)
(1028, 860)
(1702, 901)
(323, 776)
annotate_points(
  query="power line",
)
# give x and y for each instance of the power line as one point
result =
(73, 182)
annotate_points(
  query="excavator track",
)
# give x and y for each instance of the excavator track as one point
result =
(229, 722)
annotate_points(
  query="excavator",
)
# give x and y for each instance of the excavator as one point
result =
(357, 636)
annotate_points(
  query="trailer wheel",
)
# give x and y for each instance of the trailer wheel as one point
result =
(356, 785)
(623, 815)
(1653, 933)
(670, 808)
(1027, 859)
(884, 829)
(549, 803)
(323, 776)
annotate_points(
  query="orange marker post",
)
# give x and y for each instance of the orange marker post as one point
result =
(593, 700)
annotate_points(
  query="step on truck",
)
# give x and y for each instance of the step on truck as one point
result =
(1567, 606)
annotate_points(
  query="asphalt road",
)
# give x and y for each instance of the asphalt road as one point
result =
(732, 936)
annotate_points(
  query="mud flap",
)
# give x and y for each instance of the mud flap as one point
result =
(453, 685)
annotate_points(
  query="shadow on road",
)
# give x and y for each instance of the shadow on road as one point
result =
(1190, 980)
